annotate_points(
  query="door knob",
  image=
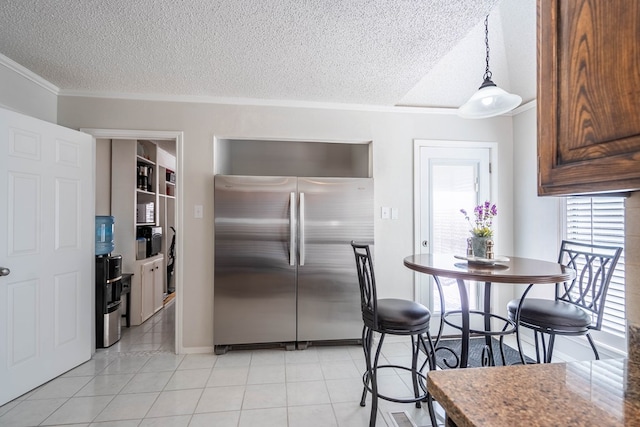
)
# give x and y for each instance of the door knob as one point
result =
(4, 271)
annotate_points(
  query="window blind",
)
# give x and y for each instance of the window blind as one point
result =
(600, 220)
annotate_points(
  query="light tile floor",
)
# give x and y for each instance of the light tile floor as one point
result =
(139, 381)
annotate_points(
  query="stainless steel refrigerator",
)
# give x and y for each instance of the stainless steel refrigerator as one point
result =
(284, 267)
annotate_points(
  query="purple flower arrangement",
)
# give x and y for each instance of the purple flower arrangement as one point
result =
(484, 215)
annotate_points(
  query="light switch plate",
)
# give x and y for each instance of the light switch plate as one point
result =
(198, 211)
(394, 213)
(385, 212)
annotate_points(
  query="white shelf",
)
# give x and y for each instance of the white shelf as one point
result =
(141, 159)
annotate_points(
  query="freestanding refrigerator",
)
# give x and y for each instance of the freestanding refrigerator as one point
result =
(284, 267)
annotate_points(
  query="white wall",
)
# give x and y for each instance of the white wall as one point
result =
(103, 177)
(26, 93)
(537, 221)
(392, 135)
(536, 227)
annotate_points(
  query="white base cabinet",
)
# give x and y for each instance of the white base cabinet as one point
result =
(147, 288)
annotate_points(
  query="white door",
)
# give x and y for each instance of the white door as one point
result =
(449, 179)
(47, 245)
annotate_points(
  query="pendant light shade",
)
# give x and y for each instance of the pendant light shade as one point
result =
(489, 100)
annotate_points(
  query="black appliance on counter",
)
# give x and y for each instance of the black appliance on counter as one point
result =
(108, 299)
(153, 236)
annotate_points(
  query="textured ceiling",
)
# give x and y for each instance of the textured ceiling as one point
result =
(378, 52)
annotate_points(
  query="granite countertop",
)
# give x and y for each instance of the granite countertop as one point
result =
(594, 393)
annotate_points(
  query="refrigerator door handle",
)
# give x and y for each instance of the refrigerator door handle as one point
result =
(301, 243)
(292, 228)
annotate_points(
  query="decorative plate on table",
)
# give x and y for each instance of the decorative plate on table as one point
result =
(482, 261)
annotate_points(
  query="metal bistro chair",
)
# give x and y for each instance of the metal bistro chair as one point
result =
(578, 306)
(394, 317)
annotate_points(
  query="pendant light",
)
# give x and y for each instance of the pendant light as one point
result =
(489, 100)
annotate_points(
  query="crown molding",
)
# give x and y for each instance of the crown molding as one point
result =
(259, 102)
(28, 74)
(278, 103)
(524, 107)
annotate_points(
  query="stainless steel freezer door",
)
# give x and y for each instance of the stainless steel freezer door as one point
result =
(333, 211)
(255, 283)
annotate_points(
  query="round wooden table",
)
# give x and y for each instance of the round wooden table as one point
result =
(514, 270)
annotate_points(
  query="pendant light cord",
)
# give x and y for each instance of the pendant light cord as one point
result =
(489, 100)
(487, 72)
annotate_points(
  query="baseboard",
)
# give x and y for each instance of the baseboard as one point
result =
(196, 350)
(170, 299)
(570, 349)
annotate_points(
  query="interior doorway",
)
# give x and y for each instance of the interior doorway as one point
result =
(167, 198)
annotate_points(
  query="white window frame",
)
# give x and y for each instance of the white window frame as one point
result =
(613, 333)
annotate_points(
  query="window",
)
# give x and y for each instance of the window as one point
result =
(600, 220)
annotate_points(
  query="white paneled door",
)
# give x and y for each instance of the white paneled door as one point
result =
(46, 252)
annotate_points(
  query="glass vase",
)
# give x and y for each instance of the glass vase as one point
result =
(479, 246)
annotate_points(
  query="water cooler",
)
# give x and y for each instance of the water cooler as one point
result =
(108, 284)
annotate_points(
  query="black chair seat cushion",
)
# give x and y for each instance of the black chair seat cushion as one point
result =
(550, 314)
(400, 315)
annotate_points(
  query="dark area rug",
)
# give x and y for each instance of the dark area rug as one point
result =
(446, 359)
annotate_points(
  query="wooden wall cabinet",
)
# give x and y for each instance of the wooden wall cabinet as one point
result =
(588, 96)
